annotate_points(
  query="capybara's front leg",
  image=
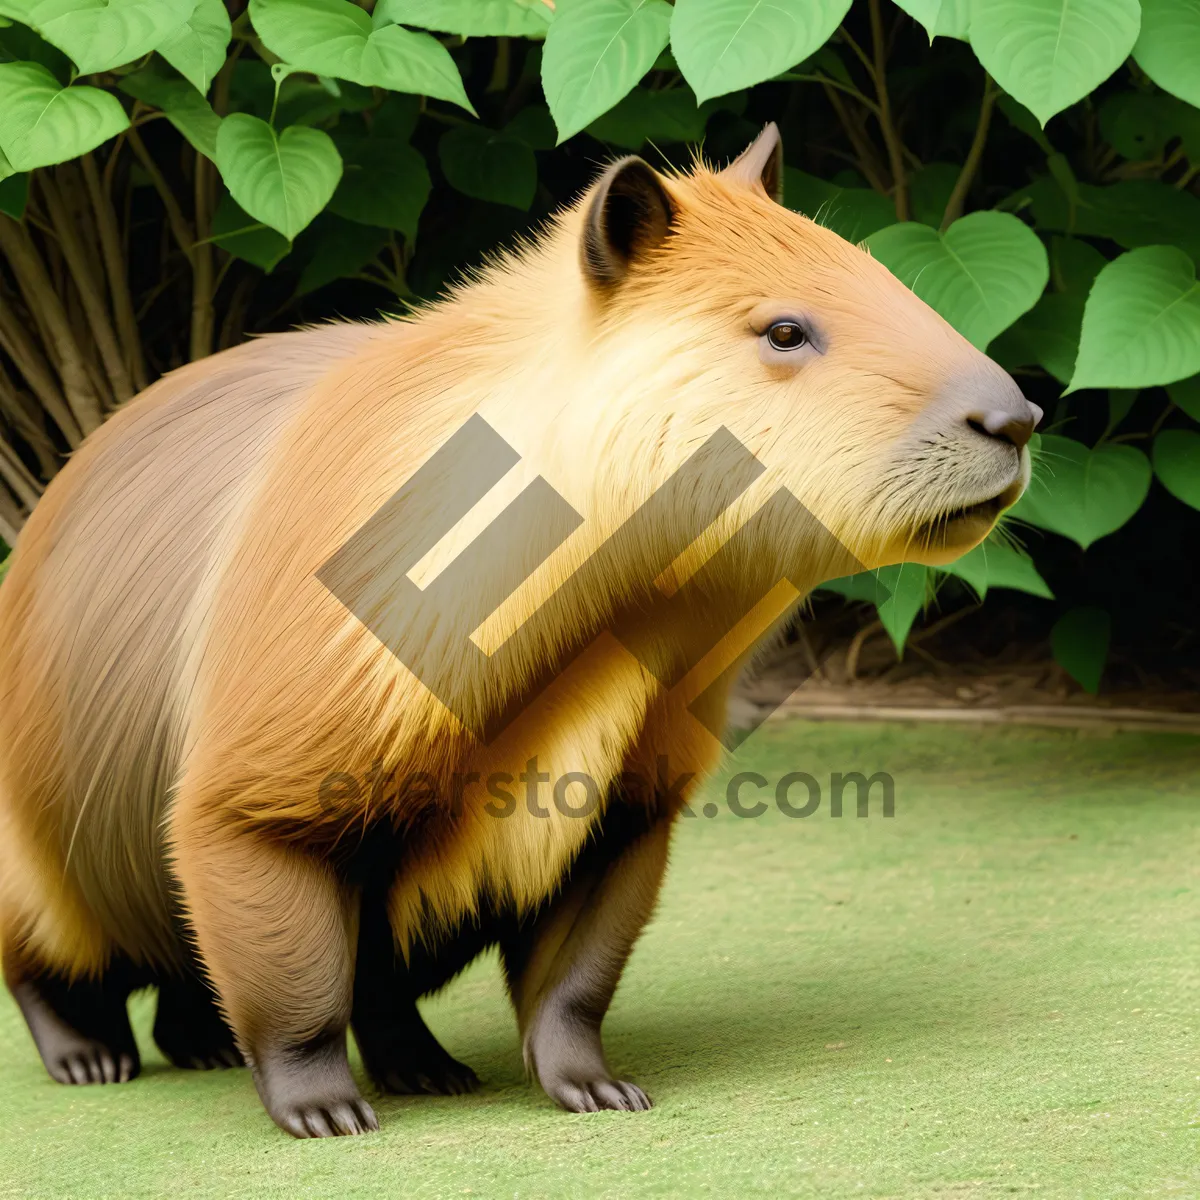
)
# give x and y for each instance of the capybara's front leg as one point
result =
(275, 930)
(564, 968)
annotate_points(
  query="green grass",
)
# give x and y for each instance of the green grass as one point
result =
(993, 992)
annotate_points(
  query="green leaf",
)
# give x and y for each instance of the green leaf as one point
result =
(1176, 457)
(941, 18)
(1083, 494)
(234, 230)
(1051, 53)
(981, 274)
(18, 43)
(1120, 405)
(929, 192)
(1047, 335)
(470, 18)
(101, 34)
(1141, 326)
(14, 190)
(535, 127)
(1080, 640)
(282, 180)
(908, 588)
(385, 183)
(180, 102)
(595, 52)
(996, 564)
(723, 45)
(660, 118)
(335, 37)
(45, 123)
(197, 49)
(1186, 394)
(487, 165)
(1138, 125)
(339, 248)
(1134, 213)
(852, 213)
(1168, 48)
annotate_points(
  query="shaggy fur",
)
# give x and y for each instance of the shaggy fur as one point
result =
(176, 682)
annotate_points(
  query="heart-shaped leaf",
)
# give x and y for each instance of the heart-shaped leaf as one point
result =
(1186, 394)
(1083, 494)
(981, 274)
(180, 103)
(1080, 640)
(1177, 464)
(470, 18)
(1141, 326)
(941, 18)
(488, 165)
(197, 48)
(46, 123)
(660, 117)
(723, 45)
(385, 183)
(100, 34)
(241, 235)
(338, 249)
(995, 564)
(14, 190)
(907, 585)
(853, 213)
(1168, 47)
(595, 52)
(282, 180)
(336, 38)
(1051, 53)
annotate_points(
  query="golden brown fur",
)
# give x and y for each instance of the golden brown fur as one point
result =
(176, 682)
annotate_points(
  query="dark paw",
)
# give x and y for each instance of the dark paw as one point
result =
(213, 1059)
(91, 1062)
(597, 1095)
(332, 1118)
(448, 1078)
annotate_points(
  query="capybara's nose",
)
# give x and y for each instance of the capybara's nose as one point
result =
(1014, 425)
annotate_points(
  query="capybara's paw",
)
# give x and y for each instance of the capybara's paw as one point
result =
(308, 1090)
(85, 1061)
(448, 1077)
(328, 1118)
(215, 1059)
(597, 1095)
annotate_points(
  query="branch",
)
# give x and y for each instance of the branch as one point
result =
(16, 474)
(867, 158)
(11, 518)
(175, 218)
(203, 288)
(52, 321)
(116, 270)
(891, 137)
(30, 422)
(90, 288)
(962, 185)
(28, 358)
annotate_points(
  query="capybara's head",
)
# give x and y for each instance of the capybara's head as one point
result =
(706, 303)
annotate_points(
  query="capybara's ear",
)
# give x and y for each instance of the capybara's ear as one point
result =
(629, 214)
(761, 163)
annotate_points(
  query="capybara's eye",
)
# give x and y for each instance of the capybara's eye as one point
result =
(786, 335)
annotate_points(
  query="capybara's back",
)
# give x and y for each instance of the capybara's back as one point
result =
(103, 618)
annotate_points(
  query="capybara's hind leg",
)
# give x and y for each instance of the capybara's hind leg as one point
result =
(81, 1027)
(398, 1049)
(274, 928)
(188, 1026)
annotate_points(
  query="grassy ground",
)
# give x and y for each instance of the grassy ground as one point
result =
(993, 992)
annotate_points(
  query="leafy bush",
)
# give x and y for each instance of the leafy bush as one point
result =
(177, 173)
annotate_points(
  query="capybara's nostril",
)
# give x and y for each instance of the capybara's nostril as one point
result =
(1016, 428)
